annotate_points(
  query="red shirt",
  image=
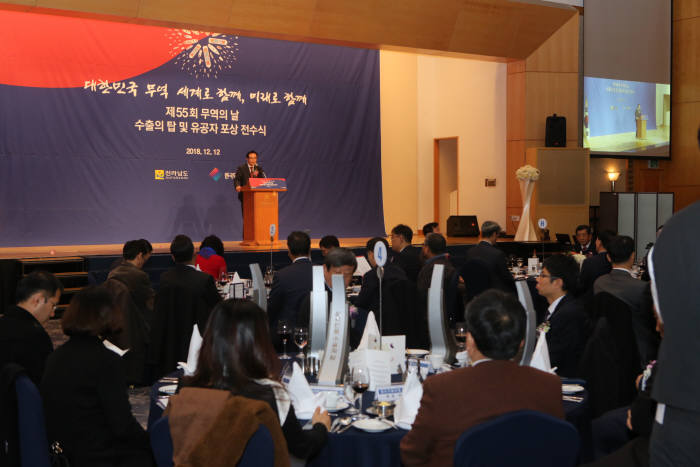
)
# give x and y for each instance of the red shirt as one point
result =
(214, 265)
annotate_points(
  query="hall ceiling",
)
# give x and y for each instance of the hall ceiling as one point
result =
(495, 28)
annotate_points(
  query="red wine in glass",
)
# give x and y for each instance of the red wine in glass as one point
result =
(360, 387)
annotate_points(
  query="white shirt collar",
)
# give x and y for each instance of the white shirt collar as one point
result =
(301, 257)
(624, 269)
(553, 306)
(482, 361)
(193, 266)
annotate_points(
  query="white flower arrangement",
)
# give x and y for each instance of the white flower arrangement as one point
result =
(579, 258)
(527, 172)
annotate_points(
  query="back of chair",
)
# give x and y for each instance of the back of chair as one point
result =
(523, 438)
(33, 443)
(259, 451)
(477, 277)
(161, 442)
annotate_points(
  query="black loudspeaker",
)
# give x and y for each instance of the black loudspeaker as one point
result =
(555, 132)
(462, 226)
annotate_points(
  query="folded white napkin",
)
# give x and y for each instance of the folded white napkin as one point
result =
(111, 346)
(540, 357)
(303, 399)
(370, 336)
(193, 354)
(407, 406)
(236, 277)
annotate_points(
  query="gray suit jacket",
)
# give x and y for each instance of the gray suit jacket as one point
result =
(623, 286)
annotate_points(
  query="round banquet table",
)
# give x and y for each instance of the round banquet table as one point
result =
(355, 447)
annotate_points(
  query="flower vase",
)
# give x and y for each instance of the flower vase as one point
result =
(526, 231)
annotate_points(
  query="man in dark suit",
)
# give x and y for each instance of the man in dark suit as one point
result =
(197, 285)
(290, 284)
(368, 298)
(405, 256)
(584, 241)
(674, 268)
(568, 325)
(598, 264)
(494, 385)
(493, 258)
(250, 169)
(23, 339)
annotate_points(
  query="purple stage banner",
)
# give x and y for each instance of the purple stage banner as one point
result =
(114, 131)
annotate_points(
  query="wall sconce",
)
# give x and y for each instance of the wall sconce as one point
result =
(613, 176)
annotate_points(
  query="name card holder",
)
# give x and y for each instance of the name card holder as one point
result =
(259, 292)
(525, 299)
(441, 342)
(335, 357)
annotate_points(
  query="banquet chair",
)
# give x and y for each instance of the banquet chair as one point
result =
(33, 443)
(259, 451)
(532, 439)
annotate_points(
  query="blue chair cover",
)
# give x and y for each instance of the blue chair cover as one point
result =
(161, 442)
(33, 444)
(523, 438)
(259, 451)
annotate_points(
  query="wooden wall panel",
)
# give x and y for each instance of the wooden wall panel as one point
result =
(548, 93)
(683, 9)
(559, 52)
(686, 61)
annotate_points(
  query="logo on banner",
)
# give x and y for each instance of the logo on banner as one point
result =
(215, 174)
(161, 174)
(230, 175)
(203, 54)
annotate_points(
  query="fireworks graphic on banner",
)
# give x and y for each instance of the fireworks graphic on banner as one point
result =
(203, 54)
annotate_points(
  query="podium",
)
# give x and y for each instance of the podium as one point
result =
(641, 128)
(260, 209)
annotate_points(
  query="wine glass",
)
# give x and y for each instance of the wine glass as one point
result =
(301, 338)
(461, 335)
(519, 262)
(349, 394)
(360, 384)
(269, 275)
(285, 333)
(223, 279)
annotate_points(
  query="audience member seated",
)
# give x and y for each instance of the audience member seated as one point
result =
(338, 261)
(404, 255)
(290, 284)
(568, 326)
(84, 390)
(146, 246)
(237, 356)
(327, 243)
(492, 257)
(583, 243)
(210, 258)
(185, 297)
(23, 339)
(634, 292)
(598, 264)
(639, 422)
(431, 227)
(435, 252)
(458, 400)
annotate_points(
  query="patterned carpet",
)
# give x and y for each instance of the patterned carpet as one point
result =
(139, 397)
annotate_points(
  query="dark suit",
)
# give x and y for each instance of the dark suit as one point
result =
(408, 260)
(495, 261)
(242, 176)
(567, 336)
(461, 399)
(591, 269)
(24, 341)
(368, 298)
(289, 287)
(87, 407)
(185, 297)
(586, 250)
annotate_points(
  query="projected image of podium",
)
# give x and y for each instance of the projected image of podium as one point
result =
(260, 209)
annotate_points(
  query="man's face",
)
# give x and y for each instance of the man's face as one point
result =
(547, 285)
(370, 259)
(324, 250)
(583, 237)
(436, 229)
(346, 271)
(397, 242)
(252, 159)
(46, 306)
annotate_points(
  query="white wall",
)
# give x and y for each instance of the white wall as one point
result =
(424, 97)
(465, 99)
